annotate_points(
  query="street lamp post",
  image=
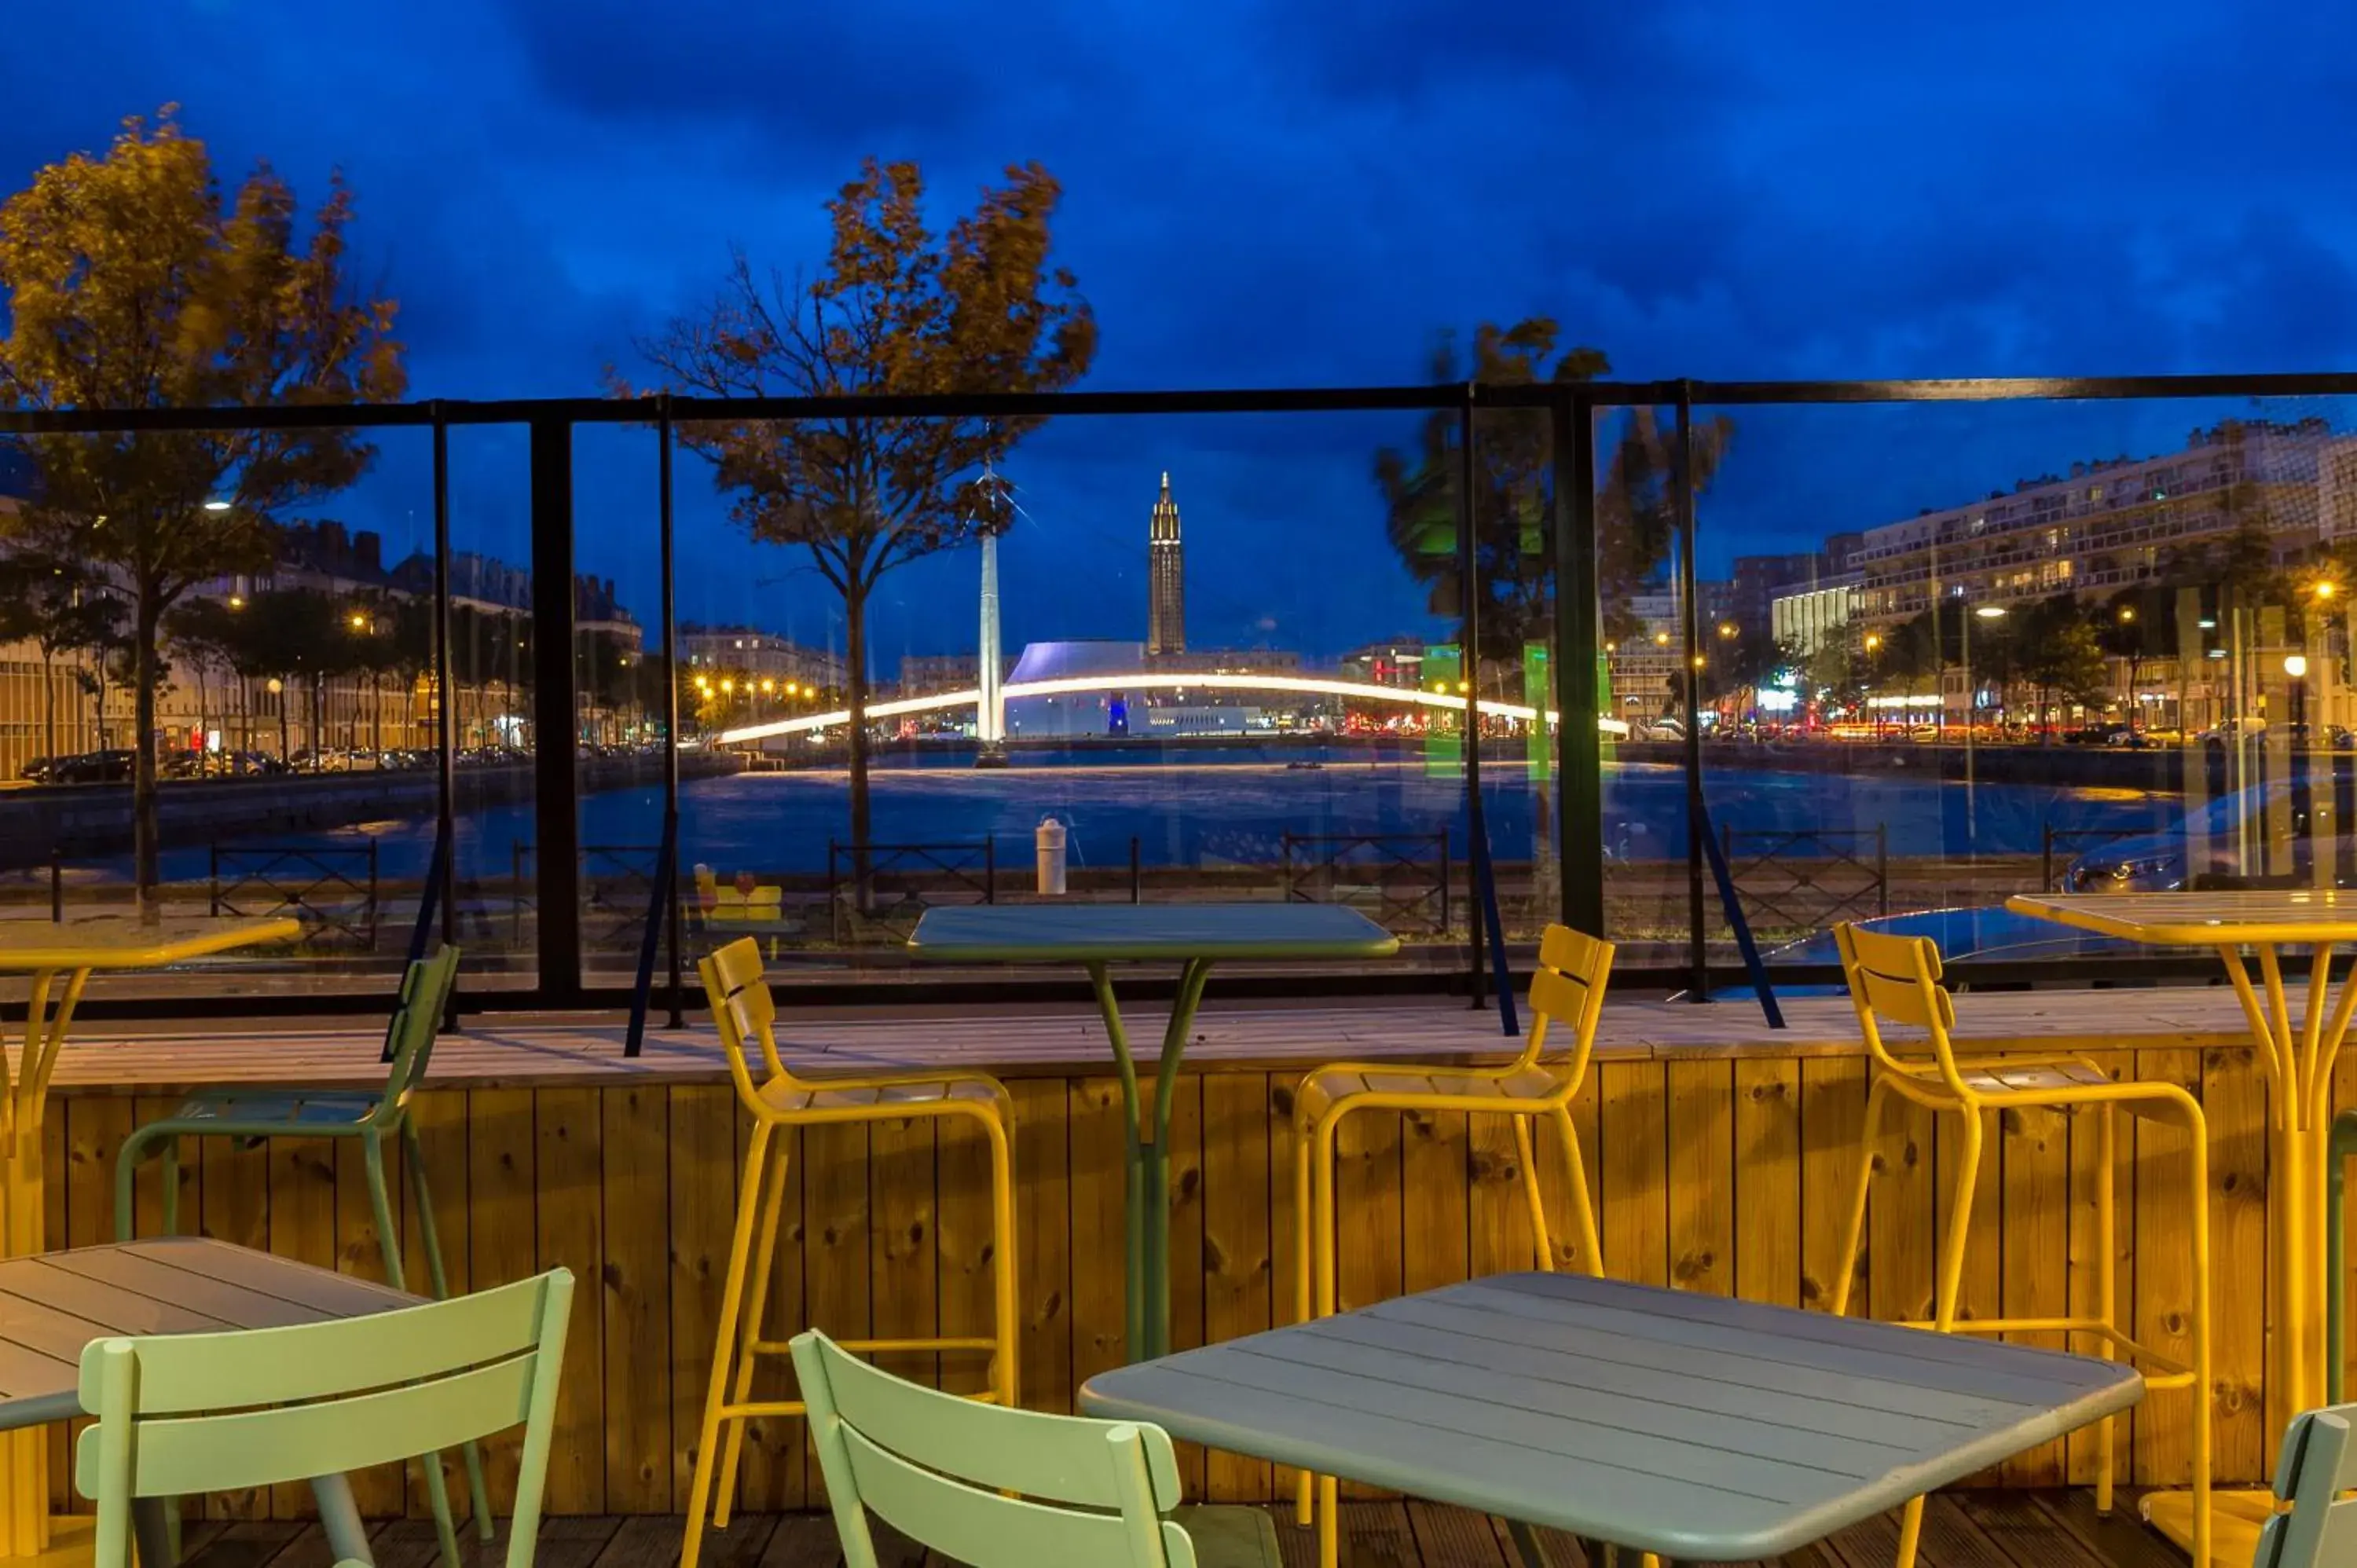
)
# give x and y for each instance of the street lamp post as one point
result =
(1964, 647)
(278, 696)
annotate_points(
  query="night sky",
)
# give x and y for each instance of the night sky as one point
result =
(1293, 193)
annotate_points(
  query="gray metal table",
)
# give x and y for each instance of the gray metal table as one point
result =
(1693, 1426)
(1194, 936)
(54, 1304)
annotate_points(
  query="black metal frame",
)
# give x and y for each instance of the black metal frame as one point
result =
(1573, 408)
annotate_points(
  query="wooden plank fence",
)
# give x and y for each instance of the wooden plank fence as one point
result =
(1723, 1173)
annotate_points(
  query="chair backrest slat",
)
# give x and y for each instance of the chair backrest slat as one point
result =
(986, 1531)
(939, 1470)
(236, 1370)
(744, 1013)
(417, 1020)
(2317, 1463)
(1898, 978)
(196, 1412)
(1060, 1457)
(182, 1454)
(1567, 987)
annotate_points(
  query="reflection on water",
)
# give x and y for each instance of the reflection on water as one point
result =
(1218, 812)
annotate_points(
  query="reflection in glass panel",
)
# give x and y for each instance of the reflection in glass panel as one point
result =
(2085, 647)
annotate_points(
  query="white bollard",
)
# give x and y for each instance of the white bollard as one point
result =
(1050, 843)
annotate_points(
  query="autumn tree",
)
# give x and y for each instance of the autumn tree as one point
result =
(896, 309)
(133, 281)
(1513, 491)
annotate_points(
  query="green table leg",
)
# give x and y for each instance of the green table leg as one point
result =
(1146, 1189)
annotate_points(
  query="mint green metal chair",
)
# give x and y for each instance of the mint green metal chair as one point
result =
(1000, 1488)
(2319, 1462)
(255, 1117)
(186, 1414)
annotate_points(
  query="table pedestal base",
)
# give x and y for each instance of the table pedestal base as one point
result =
(2235, 1518)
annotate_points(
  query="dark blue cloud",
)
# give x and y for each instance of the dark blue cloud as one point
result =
(1264, 193)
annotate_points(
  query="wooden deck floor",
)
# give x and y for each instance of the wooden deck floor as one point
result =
(1962, 1530)
(536, 1052)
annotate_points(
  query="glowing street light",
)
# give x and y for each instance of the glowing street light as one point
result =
(1726, 628)
(1873, 641)
(1661, 639)
(2325, 589)
(2128, 613)
(1990, 612)
(217, 505)
(360, 622)
(237, 601)
(2296, 665)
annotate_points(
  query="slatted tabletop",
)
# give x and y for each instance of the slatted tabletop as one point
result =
(2202, 920)
(1694, 1426)
(125, 941)
(54, 1304)
(1125, 933)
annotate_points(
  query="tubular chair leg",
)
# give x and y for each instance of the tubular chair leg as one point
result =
(2106, 1288)
(756, 1312)
(1528, 1155)
(429, 1240)
(1007, 1376)
(2201, 1322)
(1853, 1234)
(740, 1246)
(1302, 1269)
(1583, 1206)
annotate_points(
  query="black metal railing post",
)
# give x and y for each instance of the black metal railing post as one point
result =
(1690, 628)
(213, 901)
(369, 917)
(555, 770)
(1882, 864)
(1137, 873)
(990, 868)
(678, 1015)
(1579, 746)
(56, 887)
(2046, 858)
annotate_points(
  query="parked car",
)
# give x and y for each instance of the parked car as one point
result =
(2216, 840)
(110, 767)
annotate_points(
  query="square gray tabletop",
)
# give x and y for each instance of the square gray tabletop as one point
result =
(1115, 933)
(1690, 1425)
(53, 1304)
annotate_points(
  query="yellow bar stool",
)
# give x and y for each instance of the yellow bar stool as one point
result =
(744, 1010)
(1897, 980)
(1569, 985)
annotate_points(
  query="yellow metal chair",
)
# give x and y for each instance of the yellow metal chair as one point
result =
(1569, 985)
(745, 1012)
(1897, 980)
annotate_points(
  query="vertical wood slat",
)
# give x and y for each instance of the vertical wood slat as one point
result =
(2086, 1260)
(568, 1153)
(904, 1304)
(1633, 1132)
(505, 1205)
(1099, 1214)
(634, 1133)
(1700, 1184)
(236, 1208)
(2164, 1272)
(700, 1222)
(1242, 1145)
(1900, 1214)
(2235, 1099)
(300, 1220)
(1369, 1261)
(378, 1491)
(440, 1119)
(1832, 1144)
(2035, 1147)
(1186, 1233)
(836, 1220)
(964, 1254)
(1044, 1222)
(775, 1467)
(1767, 1185)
